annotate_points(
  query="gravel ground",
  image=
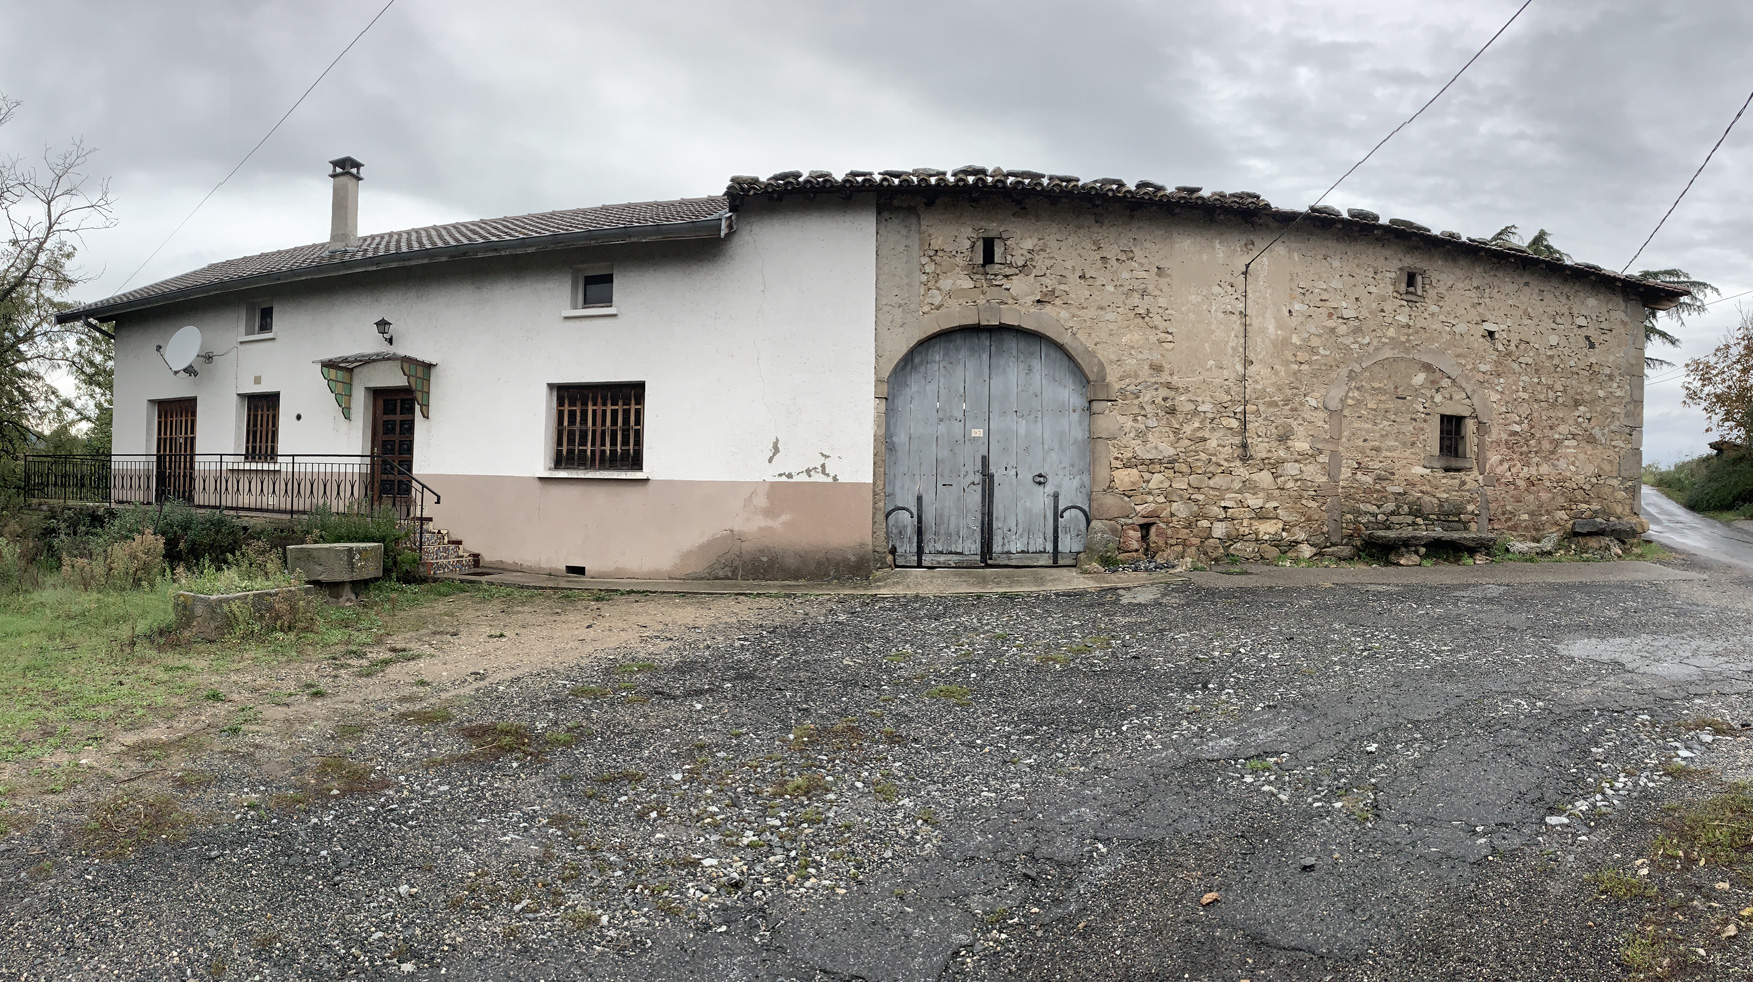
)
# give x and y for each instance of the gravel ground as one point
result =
(1375, 782)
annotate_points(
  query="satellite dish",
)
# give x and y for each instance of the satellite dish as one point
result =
(183, 349)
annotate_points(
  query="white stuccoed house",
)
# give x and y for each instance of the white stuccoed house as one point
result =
(611, 388)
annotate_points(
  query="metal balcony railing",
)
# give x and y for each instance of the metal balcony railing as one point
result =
(284, 484)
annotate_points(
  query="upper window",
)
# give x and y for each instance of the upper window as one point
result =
(1412, 282)
(1451, 436)
(593, 290)
(991, 250)
(599, 427)
(259, 319)
(261, 432)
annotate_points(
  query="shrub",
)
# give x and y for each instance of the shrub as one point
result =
(399, 562)
(191, 536)
(214, 580)
(1725, 485)
(1679, 479)
(135, 562)
(18, 568)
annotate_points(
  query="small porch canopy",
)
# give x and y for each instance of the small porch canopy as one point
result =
(338, 373)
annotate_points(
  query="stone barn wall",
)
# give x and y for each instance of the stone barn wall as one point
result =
(1547, 361)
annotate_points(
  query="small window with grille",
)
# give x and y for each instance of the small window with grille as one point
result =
(1452, 436)
(599, 427)
(261, 439)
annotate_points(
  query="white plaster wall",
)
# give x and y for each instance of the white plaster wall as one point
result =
(755, 351)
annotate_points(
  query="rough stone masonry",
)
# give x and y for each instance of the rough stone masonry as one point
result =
(1396, 379)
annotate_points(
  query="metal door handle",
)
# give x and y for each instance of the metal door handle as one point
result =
(1041, 479)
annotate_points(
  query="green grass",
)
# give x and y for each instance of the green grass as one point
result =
(76, 666)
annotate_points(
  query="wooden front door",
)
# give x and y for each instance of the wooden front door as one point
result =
(393, 412)
(986, 430)
(175, 450)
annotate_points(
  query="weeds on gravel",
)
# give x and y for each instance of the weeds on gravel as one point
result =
(192, 780)
(335, 776)
(1700, 724)
(1682, 771)
(124, 822)
(592, 692)
(1716, 832)
(492, 741)
(961, 695)
(429, 716)
(1700, 842)
(635, 667)
(802, 786)
(1622, 886)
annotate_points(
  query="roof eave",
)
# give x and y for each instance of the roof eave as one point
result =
(1656, 296)
(713, 227)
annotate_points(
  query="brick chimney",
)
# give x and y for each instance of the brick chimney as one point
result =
(344, 217)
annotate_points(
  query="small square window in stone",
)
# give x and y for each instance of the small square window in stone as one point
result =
(596, 290)
(991, 250)
(1411, 283)
(1452, 436)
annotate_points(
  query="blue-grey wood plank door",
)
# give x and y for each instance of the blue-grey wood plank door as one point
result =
(984, 427)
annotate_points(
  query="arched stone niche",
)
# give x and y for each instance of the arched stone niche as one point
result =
(1477, 403)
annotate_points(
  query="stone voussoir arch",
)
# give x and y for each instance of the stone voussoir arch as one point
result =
(999, 315)
(1334, 403)
(1039, 322)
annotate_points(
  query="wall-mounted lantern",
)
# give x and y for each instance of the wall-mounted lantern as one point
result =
(383, 327)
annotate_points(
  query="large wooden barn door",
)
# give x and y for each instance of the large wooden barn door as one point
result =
(985, 427)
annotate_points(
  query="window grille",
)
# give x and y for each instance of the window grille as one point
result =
(599, 427)
(1452, 436)
(261, 440)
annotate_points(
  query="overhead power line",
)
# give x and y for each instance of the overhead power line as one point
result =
(1688, 187)
(1249, 265)
(258, 146)
(1391, 133)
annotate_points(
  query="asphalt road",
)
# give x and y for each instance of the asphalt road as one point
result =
(1366, 781)
(1677, 528)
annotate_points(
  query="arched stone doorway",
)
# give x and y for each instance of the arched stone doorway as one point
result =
(1408, 447)
(987, 436)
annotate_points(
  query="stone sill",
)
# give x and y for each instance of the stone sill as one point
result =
(250, 338)
(595, 475)
(588, 312)
(1448, 463)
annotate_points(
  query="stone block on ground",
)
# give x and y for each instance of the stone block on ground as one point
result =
(1545, 545)
(1414, 538)
(337, 566)
(211, 617)
(1617, 528)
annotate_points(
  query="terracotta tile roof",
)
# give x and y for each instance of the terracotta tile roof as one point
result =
(974, 179)
(391, 248)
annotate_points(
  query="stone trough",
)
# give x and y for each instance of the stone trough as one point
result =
(211, 617)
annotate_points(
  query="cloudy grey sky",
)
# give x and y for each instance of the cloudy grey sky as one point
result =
(1586, 118)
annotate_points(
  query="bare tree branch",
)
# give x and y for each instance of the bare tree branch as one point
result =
(48, 205)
